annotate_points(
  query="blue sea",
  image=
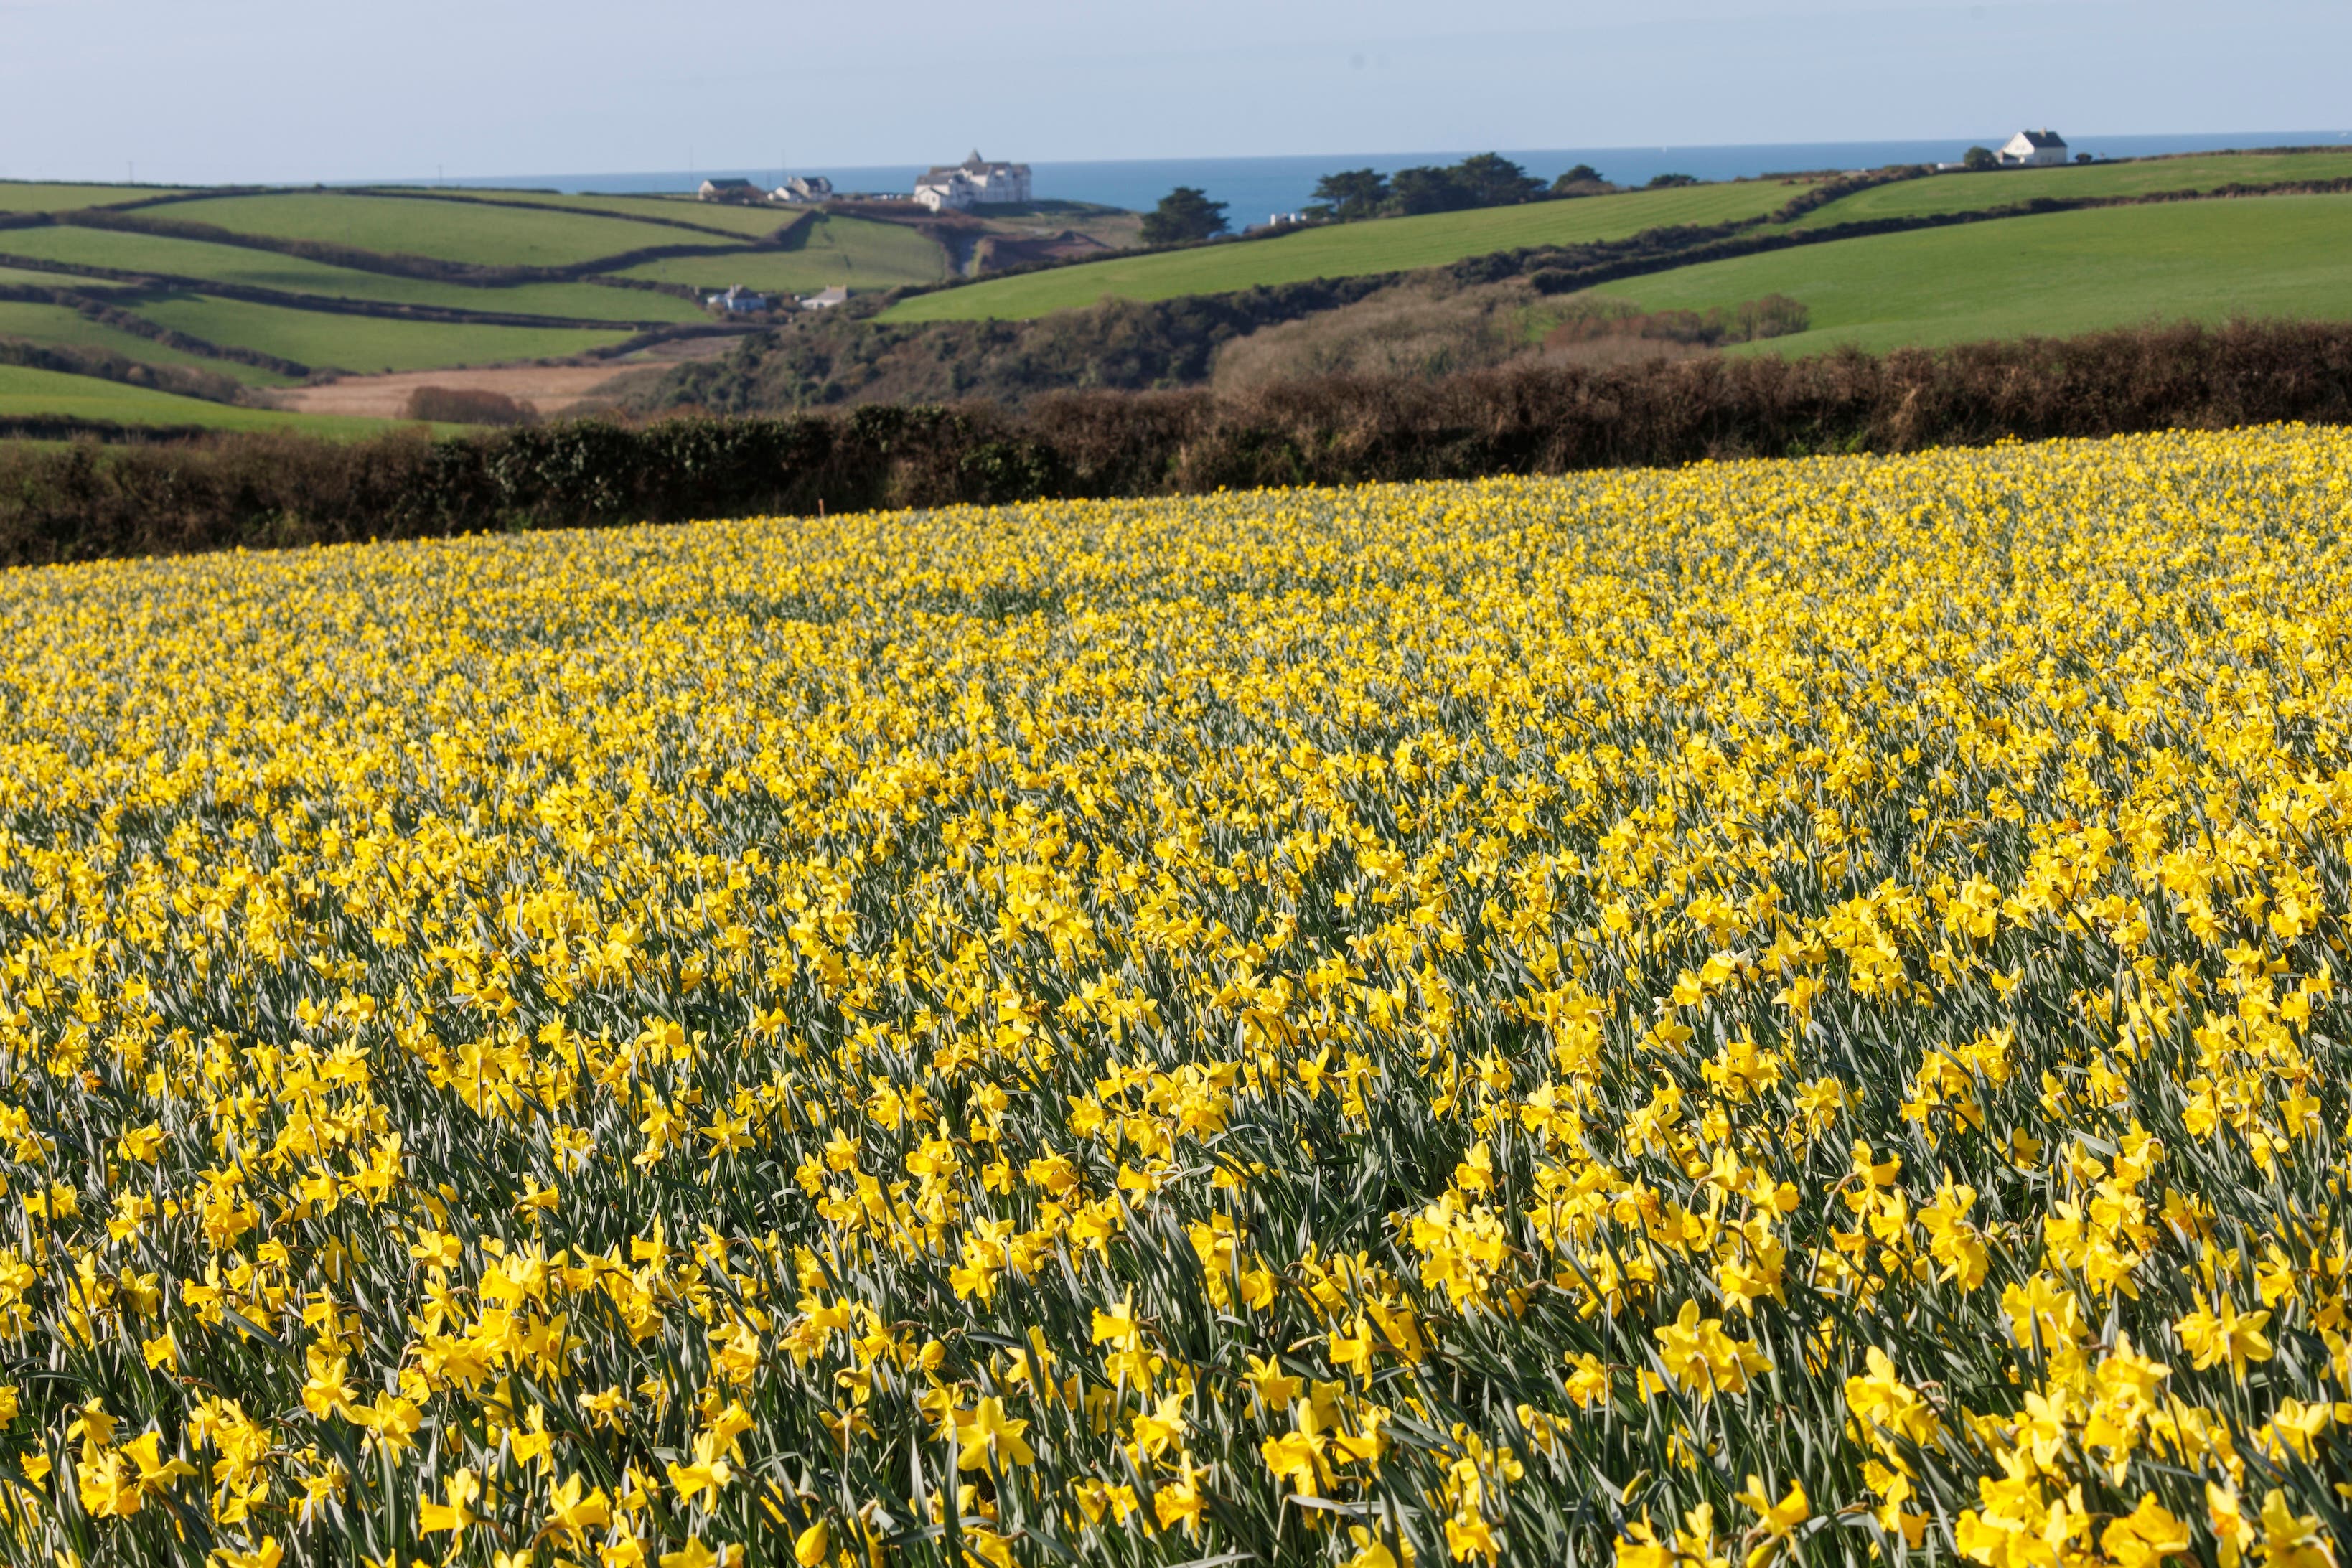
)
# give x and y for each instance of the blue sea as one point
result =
(1255, 188)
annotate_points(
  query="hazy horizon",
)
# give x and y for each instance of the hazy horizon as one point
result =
(267, 90)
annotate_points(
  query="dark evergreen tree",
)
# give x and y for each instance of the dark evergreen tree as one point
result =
(1494, 180)
(1183, 214)
(1352, 194)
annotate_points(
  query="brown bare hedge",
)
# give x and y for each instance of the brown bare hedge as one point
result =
(89, 501)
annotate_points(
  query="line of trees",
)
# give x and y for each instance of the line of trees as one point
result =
(1483, 180)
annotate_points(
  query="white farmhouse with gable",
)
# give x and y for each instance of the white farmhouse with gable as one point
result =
(802, 189)
(2033, 149)
(953, 187)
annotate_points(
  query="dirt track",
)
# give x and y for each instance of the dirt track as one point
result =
(550, 389)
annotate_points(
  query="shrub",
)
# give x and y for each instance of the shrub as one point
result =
(466, 405)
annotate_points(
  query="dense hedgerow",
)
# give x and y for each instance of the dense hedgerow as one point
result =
(1766, 1013)
(89, 502)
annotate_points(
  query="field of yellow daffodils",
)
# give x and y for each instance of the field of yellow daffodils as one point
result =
(1778, 1013)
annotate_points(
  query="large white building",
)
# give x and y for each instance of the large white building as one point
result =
(2032, 148)
(953, 187)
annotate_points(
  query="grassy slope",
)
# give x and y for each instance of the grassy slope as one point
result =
(24, 276)
(858, 253)
(267, 269)
(57, 325)
(751, 223)
(1955, 192)
(445, 230)
(1344, 250)
(34, 196)
(461, 230)
(25, 391)
(2059, 273)
(367, 343)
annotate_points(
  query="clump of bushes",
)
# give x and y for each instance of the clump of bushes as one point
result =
(1750, 322)
(466, 405)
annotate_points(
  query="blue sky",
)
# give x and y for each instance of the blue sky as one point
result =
(324, 90)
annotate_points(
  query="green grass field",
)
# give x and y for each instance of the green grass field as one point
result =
(1957, 192)
(446, 227)
(25, 277)
(25, 393)
(366, 344)
(2054, 274)
(58, 326)
(445, 230)
(1343, 250)
(293, 275)
(36, 196)
(751, 223)
(861, 254)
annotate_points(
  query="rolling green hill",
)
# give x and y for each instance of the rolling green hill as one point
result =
(26, 277)
(311, 319)
(57, 326)
(2049, 274)
(25, 393)
(858, 253)
(1396, 244)
(173, 257)
(475, 232)
(751, 223)
(34, 196)
(1343, 250)
(1957, 192)
(368, 344)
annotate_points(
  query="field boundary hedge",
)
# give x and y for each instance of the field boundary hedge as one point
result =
(245, 490)
(396, 264)
(322, 304)
(103, 311)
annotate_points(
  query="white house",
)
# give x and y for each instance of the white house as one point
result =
(729, 191)
(954, 187)
(2032, 148)
(802, 189)
(737, 301)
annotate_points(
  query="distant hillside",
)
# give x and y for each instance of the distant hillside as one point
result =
(263, 290)
(242, 298)
(1399, 244)
(1344, 250)
(1903, 257)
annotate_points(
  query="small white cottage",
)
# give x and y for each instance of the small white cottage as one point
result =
(2032, 148)
(802, 190)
